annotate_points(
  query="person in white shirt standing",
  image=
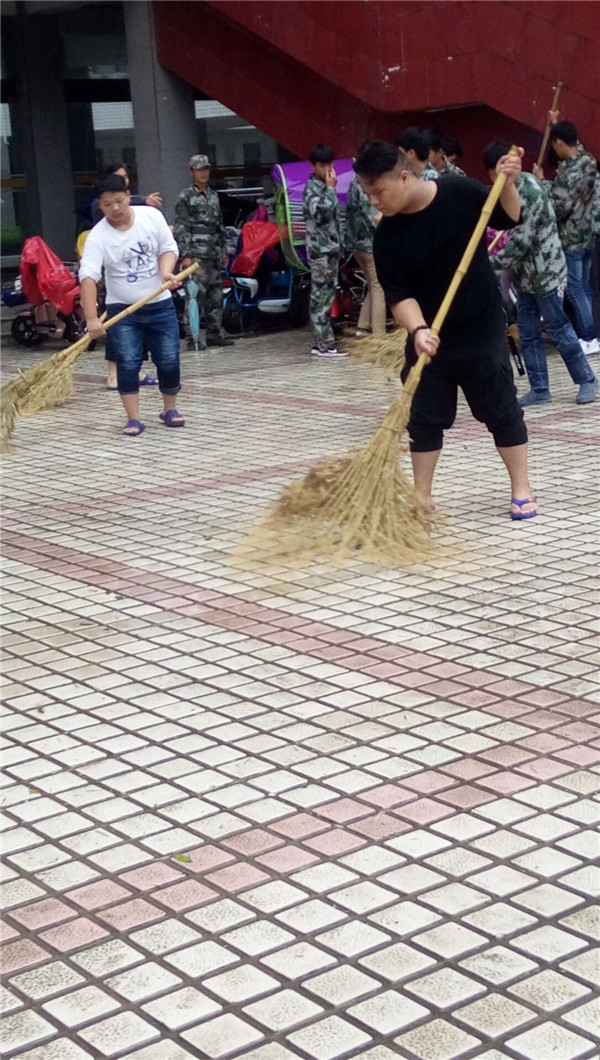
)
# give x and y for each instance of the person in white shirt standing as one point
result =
(137, 250)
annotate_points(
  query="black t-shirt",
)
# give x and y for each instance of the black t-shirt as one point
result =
(417, 254)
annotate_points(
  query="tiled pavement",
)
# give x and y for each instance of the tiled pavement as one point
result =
(311, 814)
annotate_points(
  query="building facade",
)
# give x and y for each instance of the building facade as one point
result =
(250, 83)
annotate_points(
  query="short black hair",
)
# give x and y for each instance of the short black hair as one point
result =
(551, 157)
(112, 182)
(110, 167)
(412, 139)
(376, 157)
(565, 131)
(433, 139)
(494, 152)
(452, 147)
(320, 153)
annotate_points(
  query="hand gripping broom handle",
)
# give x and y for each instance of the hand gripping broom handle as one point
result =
(85, 340)
(181, 276)
(549, 124)
(465, 261)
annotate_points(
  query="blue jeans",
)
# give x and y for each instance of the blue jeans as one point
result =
(579, 265)
(548, 306)
(154, 327)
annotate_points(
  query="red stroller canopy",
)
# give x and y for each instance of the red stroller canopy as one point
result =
(257, 236)
(44, 277)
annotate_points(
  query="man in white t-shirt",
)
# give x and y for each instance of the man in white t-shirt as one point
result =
(137, 251)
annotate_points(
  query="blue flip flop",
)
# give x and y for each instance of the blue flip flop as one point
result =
(149, 380)
(139, 427)
(168, 417)
(523, 515)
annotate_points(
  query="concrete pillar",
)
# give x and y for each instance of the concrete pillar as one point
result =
(163, 112)
(50, 200)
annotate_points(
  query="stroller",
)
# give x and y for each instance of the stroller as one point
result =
(50, 288)
(261, 282)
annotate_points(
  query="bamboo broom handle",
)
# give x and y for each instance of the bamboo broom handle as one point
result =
(470, 249)
(549, 124)
(181, 276)
(130, 309)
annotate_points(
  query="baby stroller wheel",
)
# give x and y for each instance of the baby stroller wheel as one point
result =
(232, 315)
(24, 331)
(74, 329)
(299, 305)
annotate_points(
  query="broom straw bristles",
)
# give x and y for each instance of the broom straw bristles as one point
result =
(50, 382)
(361, 503)
(386, 353)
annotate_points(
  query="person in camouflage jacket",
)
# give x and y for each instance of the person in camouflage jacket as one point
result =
(361, 221)
(572, 193)
(437, 156)
(200, 234)
(414, 144)
(449, 169)
(536, 259)
(320, 210)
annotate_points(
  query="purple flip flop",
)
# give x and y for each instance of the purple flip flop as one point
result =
(139, 427)
(168, 417)
(518, 516)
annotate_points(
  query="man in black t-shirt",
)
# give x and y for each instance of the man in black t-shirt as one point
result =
(419, 242)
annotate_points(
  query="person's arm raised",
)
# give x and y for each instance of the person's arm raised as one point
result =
(510, 199)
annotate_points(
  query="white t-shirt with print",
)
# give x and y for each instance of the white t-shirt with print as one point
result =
(130, 258)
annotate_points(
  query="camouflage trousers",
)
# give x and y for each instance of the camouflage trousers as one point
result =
(209, 279)
(323, 278)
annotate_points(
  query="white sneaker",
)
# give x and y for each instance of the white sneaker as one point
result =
(589, 346)
(332, 352)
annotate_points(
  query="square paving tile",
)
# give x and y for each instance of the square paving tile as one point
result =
(495, 1015)
(437, 1040)
(329, 1038)
(551, 1040)
(181, 1008)
(222, 1035)
(446, 988)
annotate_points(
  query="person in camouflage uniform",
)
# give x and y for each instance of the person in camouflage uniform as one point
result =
(452, 150)
(320, 209)
(200, 234)
(572, 193)
(361, 220)
(437, 156)
(413, 143)
(535, 257)
(595, 273)
(449, 169)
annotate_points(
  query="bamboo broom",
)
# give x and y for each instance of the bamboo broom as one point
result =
(49, 383)
(386, 353)
(557, 92)
(362, 502)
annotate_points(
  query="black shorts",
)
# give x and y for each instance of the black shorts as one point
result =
(484, 374)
